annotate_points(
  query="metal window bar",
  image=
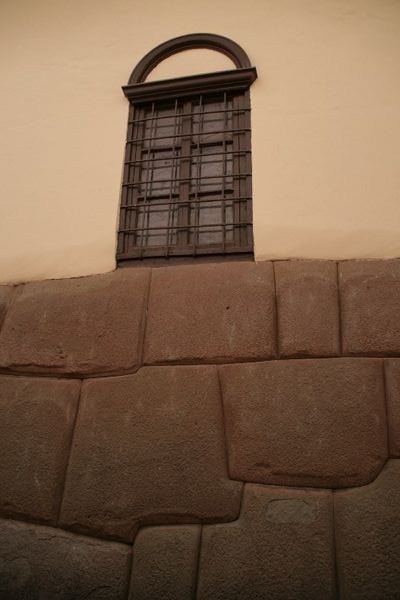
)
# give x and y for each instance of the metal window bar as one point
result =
(168, 137)
(172, 193)
(196, 231)
(174, 167)
(205, 225)
(148, 186)
(224, 175)
(188, 178)
(230, 152)
(158, 202)
(191, 114)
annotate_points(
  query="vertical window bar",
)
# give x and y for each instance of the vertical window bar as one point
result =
(196, 229)
(240, 170)
(247, 156)
(131, 153)
(122, 237)
(148, 183)
(174, 174)
(224, 173)
(236, 171)
(184, 186)
(135, 176)
(240, 184)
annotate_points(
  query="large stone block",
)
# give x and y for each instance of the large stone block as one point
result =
(165, 563)
(308, 308)
(42, 563)
(392, 369)
(370, 302)
(5, 297)
(367, 522)
(281, 548)
(317, 422)
(36, 421)
(211, 313)
(149, 448)
(78, 326)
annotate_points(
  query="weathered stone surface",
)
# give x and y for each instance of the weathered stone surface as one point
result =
(370, 302)
(308, 308)
(5, 297)
(368, 538)
(36, 420)
(149, 448)
(281, 548)
(211, 312)
(42, 563)
(79, 326)
(305, 422)
(165, 563)
(392, 368)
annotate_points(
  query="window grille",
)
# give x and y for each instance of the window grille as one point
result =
(186, 187)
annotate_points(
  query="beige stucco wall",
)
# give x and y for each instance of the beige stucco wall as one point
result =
(326, 124)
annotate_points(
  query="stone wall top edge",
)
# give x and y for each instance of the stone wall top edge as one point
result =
(173, 265)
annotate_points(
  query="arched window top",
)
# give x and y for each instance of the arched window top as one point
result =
(239, 78)
(192, 41)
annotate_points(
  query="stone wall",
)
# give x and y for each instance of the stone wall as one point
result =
(217, 431)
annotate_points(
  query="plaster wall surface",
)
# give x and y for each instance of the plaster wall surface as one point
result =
(326, 131)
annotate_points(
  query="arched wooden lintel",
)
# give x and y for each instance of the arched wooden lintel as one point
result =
(189, 42)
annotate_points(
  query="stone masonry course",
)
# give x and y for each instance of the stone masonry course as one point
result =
(210, 431)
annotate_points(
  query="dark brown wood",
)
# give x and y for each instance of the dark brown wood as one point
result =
(136, 253)
(184, 183)
(223, 81)
(189, 42)
(176, 201)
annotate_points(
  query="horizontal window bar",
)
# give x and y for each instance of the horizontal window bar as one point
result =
(196, 195)
(194, 178)
(138, 252)
(189, 226)
(183, 157)
(180, 115)
(185, 135)
(178, 203)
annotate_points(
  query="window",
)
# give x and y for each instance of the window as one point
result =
(186, 187)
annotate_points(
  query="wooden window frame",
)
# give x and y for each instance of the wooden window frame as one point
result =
(236, 84)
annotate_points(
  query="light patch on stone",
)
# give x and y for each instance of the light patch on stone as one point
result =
(291, 511)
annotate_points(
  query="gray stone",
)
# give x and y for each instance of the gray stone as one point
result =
(316, 422)
(370, 303)
(76, 326)
(211, 313)
(36, 421)
(281, 548)
(42, 563)
(308, 308)
(149, 449)
(5, 297)
(392, 369)
(165, 563)
(367, 522)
